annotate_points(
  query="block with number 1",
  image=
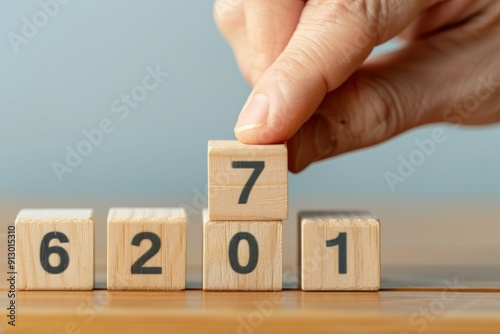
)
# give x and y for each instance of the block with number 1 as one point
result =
(340, 251)
(247, 182)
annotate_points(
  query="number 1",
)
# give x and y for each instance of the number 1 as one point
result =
(341, 241)
(258, 167)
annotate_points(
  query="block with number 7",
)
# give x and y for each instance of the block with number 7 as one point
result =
(340, 251)
(247, 182)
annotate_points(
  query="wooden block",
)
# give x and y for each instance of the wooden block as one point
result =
(55, 249)
(340, 251)
(247, 182)
(242, 255)
(147, 249)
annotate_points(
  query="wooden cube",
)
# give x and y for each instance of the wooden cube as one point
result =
(247, 182)
(147, 249)
(242, 255)
(55, 249)
(340, 251)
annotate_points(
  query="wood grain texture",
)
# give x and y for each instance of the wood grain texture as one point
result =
(268, 199)
(416, 271)
(290, 311)
(217, 271)
(320, 269)
(78, 226)
(169, 224)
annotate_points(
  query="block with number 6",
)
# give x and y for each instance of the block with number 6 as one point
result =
(147, 249)
(55, 249)
(247, 182)
(340, 251)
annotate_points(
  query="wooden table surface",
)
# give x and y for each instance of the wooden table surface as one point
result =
(440, 274)
(412, 300)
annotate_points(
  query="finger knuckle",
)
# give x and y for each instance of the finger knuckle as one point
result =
(305, 62)
(379, 107)
(370, 17)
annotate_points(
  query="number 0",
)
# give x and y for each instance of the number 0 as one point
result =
(253, 248)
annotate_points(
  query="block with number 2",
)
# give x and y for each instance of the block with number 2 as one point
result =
(147, 249)
(247, 182)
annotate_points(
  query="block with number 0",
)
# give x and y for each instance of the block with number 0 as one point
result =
(340, 251)
(147, 249)
(242, 255)
(55, 249)
(247, 182)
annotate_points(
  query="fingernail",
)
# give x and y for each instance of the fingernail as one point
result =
(254, 114)
(323, 140)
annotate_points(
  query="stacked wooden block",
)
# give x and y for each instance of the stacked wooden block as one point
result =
(242, 237)
(242, 229)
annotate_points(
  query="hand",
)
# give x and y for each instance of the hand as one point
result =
(314, 87)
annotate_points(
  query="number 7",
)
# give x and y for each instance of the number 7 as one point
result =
(258, 167)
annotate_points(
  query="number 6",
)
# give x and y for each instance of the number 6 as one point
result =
(45, 252)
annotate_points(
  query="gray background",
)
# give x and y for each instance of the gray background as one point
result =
(64, 81)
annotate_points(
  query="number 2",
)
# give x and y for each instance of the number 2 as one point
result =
(258, 167)
(138, 266)
(341, 241)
